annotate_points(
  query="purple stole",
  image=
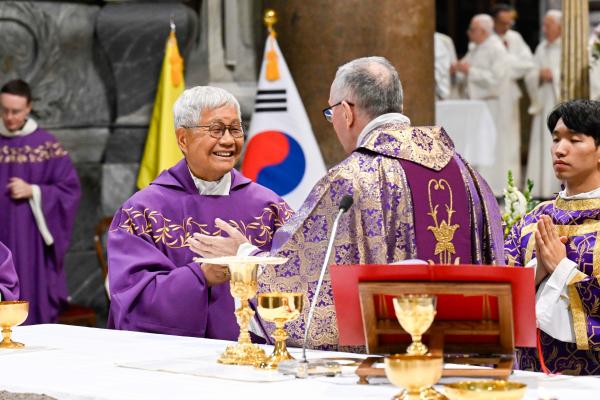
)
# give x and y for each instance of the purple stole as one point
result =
(441, 213)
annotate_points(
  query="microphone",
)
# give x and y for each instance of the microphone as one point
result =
(345, 204)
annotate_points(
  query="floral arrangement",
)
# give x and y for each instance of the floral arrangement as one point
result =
(516, 203)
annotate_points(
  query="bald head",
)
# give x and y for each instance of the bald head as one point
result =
(552, 25)
(481, 28)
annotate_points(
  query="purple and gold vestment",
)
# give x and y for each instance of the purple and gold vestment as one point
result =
(38, 159)
(414, 197)
(154, 283)
(9, 282)
(579, 220)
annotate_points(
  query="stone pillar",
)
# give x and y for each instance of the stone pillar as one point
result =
(316, 36)
(575, 63)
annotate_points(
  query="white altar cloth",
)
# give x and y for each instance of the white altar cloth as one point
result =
(70, 362)
(471, 127)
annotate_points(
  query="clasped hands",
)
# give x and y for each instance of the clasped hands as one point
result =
(217, 246)
(19, 189)
(550, 248)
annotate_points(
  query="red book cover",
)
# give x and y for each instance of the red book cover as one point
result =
(345, 280)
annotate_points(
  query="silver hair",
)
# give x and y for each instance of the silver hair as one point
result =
(371, 83)
(556, 14)
(192, 102)
(486, 22)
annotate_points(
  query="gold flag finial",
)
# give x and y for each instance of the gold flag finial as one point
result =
(270, 19)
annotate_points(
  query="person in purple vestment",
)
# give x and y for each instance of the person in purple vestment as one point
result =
(155, 285)
(414, 197)
(9, 282)
(561, 239)
(38, 204)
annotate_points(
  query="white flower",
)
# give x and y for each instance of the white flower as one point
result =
(515, 203)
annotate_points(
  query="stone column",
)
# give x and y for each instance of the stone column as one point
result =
(316, 36)
(575, 63)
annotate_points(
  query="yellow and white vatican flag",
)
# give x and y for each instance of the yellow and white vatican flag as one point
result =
(281, 153)
(161, 150)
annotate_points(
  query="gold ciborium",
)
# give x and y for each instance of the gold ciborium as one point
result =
(12, 313)
(415, 312)
(243, 285)
(279, 307)
(485, 390)
(417, 374)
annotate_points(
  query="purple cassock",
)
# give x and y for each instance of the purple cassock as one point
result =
(154, 283)
(40, 160)
(579, 220)
(414, 197)
(9, 282)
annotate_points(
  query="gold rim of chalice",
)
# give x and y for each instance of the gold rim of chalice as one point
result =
(415, 373)
(279, 307)
(12, 313)
(483, 390)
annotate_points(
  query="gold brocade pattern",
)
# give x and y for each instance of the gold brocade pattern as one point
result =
(577, 205)
(444, 231)
(363, 237)
(579, 316)
(28, 154)
(158, 228)
(427, 146)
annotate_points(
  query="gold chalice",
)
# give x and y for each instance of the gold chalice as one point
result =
(485, 390)
(12, 313)
(415, 312)
(279, 308)
(243, 285)
(416, 373)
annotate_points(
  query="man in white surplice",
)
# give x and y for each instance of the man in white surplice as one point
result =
(484, 71)
(445, 56)
(520, 61)
(543, 85)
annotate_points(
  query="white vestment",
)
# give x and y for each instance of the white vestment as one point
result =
(489, 80)
(445, 56)
(544, 97)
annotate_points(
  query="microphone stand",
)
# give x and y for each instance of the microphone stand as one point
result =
(329, 368)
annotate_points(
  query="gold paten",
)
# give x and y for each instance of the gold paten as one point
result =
(12, 313)
(417, 374)
(485, 390)
(415, 312)
(279, 307)
(243, 285)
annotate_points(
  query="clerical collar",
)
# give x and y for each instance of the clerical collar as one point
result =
(592, 194)
(381, 120)
(216, 188)
(29, 127)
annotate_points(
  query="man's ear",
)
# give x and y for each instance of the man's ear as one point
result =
(349, 116)
(181, 139)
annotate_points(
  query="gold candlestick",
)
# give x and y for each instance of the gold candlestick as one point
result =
(279, 308)
(12, 313)
(244, 285)
(415, 312)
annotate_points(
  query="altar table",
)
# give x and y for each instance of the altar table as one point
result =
(69, 363)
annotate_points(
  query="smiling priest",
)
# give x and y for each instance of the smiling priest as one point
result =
(155, 285)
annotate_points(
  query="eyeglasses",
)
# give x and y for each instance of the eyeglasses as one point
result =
(328, 112)
(217, 129)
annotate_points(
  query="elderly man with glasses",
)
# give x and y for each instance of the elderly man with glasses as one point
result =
(154, 283)
(414, 198)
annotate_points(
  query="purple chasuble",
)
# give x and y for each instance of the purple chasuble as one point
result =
(579, 220)
(154, 283)
(9, 282)
(385, 224)
(39, 159)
